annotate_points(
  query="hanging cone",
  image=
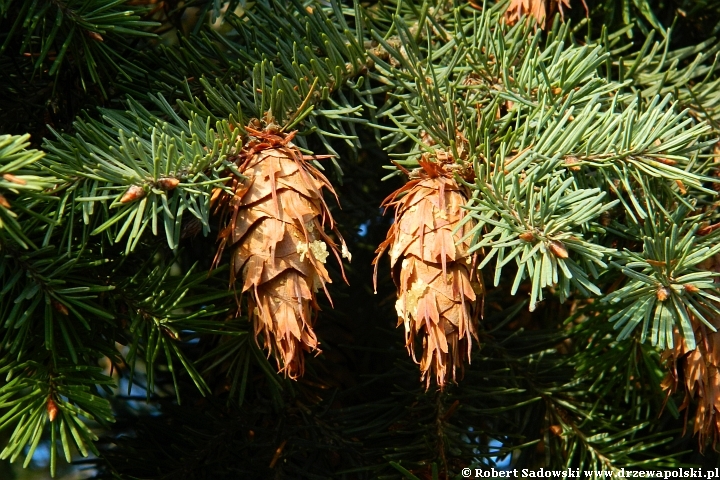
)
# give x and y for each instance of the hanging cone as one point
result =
(541, 10)
(696, 371)
(438, 294)
(700, 378)
(274, 226)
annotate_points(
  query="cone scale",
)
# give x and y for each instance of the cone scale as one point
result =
(438, 293)
(274, 225)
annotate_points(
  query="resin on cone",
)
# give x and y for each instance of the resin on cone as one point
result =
(275, 224)
(439, 295)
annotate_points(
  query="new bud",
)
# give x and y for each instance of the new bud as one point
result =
(572, 164)
(168, 183)
(95, 36)
(558, 249)
(527, 236)
(60, 307)
(52, 409)
(135, 192)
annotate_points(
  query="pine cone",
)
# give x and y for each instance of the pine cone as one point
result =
(438, 294)
(541, 10)
(275, 229)
(700, 374)
(700, 379)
